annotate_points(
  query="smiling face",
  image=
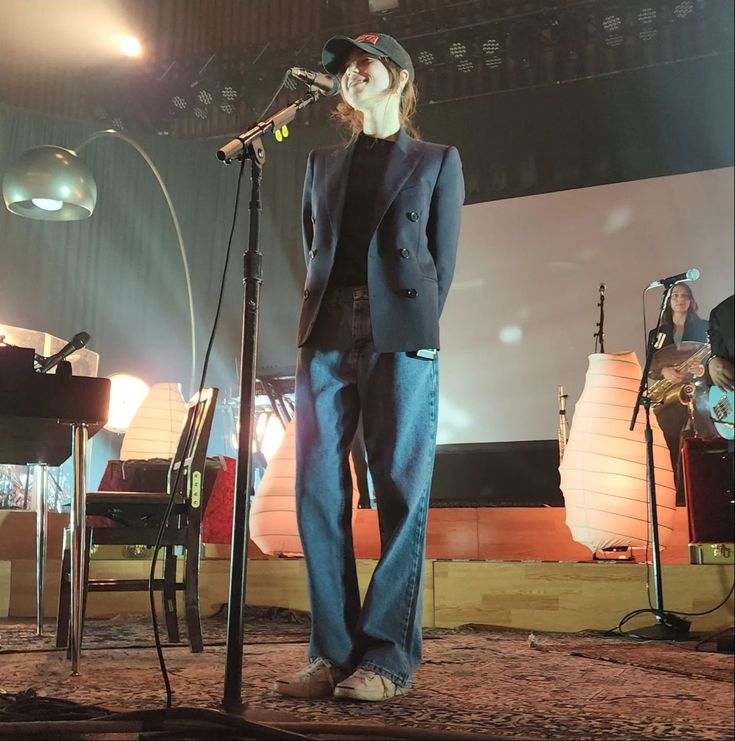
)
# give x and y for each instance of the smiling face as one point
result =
(365, 81)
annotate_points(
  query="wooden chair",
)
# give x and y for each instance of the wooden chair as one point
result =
(134, 518)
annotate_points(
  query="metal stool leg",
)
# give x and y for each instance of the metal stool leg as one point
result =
(40, 492)
(77, 531)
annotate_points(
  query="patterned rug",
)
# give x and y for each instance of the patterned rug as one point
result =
(503, 684)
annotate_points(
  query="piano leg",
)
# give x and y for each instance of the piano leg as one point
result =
(78, 536)
(40, 492)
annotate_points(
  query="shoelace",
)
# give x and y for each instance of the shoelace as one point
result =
(362, 675)
(317, 664)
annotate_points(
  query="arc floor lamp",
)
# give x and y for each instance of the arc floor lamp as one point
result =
(52, 183)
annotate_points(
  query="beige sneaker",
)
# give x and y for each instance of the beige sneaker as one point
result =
(365, 684)
(318, 679)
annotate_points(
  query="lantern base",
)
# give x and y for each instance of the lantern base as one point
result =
(615, 553)
(671, 628)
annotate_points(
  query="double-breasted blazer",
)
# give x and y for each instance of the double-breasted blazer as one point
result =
(413, 248)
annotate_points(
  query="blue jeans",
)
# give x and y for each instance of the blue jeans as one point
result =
(339, 374)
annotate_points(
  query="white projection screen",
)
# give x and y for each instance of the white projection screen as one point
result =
(522, 312)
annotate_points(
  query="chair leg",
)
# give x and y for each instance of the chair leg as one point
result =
(191, 596)
(85, 576)
(62, 611)
(169, 594)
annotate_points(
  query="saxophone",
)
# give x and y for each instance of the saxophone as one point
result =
(659, 391)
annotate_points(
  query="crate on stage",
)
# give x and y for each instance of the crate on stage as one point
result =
(711, 553)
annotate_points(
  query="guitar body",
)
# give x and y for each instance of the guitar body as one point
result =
(721, 410)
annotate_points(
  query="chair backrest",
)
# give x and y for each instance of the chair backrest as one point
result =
(191, 452)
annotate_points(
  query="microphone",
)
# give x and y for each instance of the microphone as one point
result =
(691, 274)
(76, 343)
(325, 83)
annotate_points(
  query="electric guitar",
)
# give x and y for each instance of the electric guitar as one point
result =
(721, 410)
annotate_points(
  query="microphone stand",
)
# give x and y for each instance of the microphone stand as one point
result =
(248, 145)
(600, 334)
(668, 626)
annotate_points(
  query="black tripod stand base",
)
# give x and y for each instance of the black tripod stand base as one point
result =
(670, 628)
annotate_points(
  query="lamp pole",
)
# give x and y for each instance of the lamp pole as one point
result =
(177, 226)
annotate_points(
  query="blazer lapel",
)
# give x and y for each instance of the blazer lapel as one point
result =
(403, 160)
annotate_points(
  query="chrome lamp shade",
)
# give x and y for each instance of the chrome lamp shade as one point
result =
(50, 183)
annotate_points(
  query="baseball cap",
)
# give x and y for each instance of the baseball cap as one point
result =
(380, 45)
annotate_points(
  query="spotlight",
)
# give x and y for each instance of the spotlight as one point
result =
(380, 7)
(457, 50)
(490, 47)
(465, 65)
(684, 9)
(179, 103)
(612, 24)
(425, 57)
(131, 47)
(126, 395)
(205, 97)
(228, 99)
(646, 18)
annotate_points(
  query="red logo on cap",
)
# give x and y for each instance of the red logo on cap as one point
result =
(371, 38)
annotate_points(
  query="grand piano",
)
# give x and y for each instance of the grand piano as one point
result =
(44, 419)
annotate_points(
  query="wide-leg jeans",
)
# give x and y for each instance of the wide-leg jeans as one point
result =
(339, 375)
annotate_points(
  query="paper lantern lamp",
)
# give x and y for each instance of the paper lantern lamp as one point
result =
(273, 526)
(155, 429)
(603, 472)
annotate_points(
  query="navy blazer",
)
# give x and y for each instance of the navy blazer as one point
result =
(695, 330)
(413, 249)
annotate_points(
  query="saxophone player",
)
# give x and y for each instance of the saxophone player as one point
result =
(680, 323)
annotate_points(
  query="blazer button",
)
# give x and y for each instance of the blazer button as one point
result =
(411, 293)
(404, 253)
(306, 293)
(312, 253)
(412, 216)
(313, 219)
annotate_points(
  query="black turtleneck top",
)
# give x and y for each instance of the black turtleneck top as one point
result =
(369, 162)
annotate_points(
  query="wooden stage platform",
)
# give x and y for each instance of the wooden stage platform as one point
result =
(507, 567)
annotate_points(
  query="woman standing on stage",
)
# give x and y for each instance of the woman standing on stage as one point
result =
(381, 221)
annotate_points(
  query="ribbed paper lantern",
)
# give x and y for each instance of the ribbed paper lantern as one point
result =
(603, 472)
(155, 429)
(273, 526)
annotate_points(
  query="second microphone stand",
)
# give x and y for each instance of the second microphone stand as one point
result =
(667, 626)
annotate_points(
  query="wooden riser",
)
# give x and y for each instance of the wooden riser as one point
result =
(509, 567)
(546, 596)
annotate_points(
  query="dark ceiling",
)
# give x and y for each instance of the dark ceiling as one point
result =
(211, 66)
